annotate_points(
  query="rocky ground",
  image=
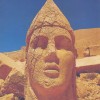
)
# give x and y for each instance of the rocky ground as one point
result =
(88, 87)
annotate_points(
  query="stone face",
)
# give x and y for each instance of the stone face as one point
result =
(50, 56)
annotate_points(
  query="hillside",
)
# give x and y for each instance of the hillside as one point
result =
(88, 38)
(18, 55)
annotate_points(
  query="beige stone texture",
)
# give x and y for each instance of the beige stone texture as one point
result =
(13, 74)
(88, 65)
(87, 38)
(1, 82)
(14, 83)
(18, 55)
(7, 64)
(49, 16)
(8, 97)
(50, 56)
(52, 82)
(88, 86)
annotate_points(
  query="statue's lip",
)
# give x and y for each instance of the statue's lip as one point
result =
(51, 70)
(51, 66)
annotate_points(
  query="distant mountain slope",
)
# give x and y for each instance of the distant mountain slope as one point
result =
(17, 55)
(88, 38)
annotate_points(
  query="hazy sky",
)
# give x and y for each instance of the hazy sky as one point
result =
(16, 17)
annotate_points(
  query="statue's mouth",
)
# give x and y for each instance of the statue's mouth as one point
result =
(51, 70)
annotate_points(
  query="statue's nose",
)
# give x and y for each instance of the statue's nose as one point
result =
(52, 57)
(51, 47)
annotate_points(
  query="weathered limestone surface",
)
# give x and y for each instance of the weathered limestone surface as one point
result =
(90, 82)
(50, 56)
(50, 15)
(13, 75)
(85, 38)
(88, 65)
(9, 97)
(18, 55)
(50, 72)
(14, 83)
(7, 64)
(88, 86)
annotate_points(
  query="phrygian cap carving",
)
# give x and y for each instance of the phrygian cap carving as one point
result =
(49, 16)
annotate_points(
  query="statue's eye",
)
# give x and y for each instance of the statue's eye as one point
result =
(62, 42)
(39, 41)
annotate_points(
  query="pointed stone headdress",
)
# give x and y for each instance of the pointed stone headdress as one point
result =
(49, 16)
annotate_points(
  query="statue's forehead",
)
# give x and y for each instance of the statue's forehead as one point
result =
(51, 32)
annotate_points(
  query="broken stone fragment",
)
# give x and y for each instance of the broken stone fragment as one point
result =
(88, 87)
(14, 83)
(13, 74)
(9, 97)
(88, 65)
(7, 64)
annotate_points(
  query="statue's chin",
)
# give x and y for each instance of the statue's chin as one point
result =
(50, 86)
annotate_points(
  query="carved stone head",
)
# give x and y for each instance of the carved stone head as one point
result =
(50, 55)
